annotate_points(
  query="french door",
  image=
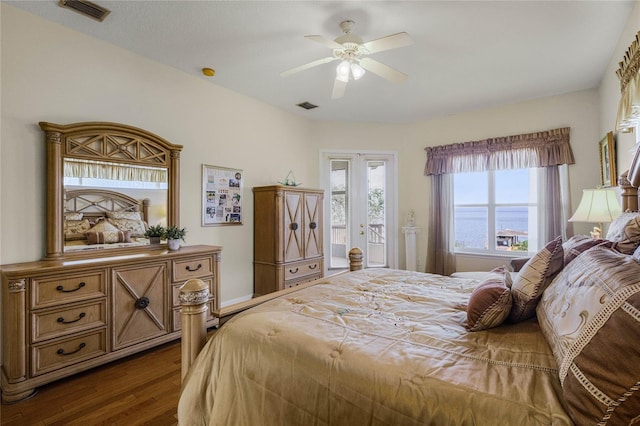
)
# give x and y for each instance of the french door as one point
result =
(360, 207)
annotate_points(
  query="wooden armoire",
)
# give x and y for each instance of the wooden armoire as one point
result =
(287, 242)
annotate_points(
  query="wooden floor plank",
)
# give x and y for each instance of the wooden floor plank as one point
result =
(142, 389)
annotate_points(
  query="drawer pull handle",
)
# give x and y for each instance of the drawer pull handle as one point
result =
(313, 225)
(313, 266)
(63, 353)
(294, 226)
(142, 303)
(61, 288)
(190, 269)
(62, 321)
(292, 271)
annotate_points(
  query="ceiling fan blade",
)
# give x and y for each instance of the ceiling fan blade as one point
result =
(388, 42)
(339, 88)
(382, 70)
(329, 43)
(307, 66)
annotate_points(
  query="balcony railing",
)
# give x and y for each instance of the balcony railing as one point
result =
(375, 234)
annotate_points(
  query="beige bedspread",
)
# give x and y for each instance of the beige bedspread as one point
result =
(377, 347)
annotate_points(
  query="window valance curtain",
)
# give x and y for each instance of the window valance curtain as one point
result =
(541, 149)
(113, 171)
(629, 75)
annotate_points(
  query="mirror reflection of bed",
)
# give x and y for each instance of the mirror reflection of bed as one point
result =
(126, 196)
(93, 211)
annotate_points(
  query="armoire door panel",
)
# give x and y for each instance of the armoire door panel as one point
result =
(293, 227)
(313, 225)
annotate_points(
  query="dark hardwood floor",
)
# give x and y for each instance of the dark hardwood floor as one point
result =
(138, 390)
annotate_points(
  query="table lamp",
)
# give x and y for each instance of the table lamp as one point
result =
(599, 206)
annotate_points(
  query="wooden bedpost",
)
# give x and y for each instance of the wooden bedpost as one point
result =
(355, 259)
(194, 295)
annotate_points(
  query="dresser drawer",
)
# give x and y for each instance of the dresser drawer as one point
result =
(176, 291)
(51, 323)
(53, 356)
(300, 269)
(49, 291)
(192, 268)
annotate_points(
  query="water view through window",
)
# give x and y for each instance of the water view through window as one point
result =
(501, 204)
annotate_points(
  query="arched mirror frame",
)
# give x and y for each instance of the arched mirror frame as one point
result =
(110, 142)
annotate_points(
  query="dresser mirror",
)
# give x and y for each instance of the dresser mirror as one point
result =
(106, 183)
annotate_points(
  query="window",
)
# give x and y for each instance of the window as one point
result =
(496, 211)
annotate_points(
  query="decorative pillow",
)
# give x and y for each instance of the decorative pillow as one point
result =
(103, 226)
(75, 229)
(490, 302)
(590, 315)
(108, 237)
(137, 227)
(625, 231)
(124, 215)
(533, 278)
(73, 216)
(581, 243)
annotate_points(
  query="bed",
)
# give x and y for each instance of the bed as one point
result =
(381, 346)
(98, 218)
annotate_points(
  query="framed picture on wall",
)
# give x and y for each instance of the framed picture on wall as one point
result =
(221, 196)
(608, 173)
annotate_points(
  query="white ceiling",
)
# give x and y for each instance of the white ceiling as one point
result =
(466, 54)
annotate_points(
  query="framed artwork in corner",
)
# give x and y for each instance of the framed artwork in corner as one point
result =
(608, 173)
(221, 196)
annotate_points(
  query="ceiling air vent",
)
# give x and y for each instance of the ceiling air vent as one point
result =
(307, 105)
(86, 8)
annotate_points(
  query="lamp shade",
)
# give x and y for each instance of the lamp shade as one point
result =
(599, 205)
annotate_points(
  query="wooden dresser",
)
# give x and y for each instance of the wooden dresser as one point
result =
(287, 237)
(63, 317)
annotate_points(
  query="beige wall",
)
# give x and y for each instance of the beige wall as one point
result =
(50, 73)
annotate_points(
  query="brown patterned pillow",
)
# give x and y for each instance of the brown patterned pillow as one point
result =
(103, 226)
(625, 231)
(75, 229)
(490, 302)
(590, 315)
(577, 244)
(533, 278)
(108, 237)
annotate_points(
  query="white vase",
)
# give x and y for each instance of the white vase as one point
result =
(173, 244)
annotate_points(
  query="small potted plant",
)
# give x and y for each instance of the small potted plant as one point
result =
(155, 233)
(174, 234)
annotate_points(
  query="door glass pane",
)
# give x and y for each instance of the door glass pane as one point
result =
(376, 229)
(471, 227)
(339, 213)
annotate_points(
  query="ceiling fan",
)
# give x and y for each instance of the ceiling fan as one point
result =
(352, 53)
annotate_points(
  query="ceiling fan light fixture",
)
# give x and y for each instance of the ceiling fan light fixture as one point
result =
(357, 71)
(342, 71)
